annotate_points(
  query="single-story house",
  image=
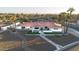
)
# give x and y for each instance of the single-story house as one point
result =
(4, 27)
(43, 26)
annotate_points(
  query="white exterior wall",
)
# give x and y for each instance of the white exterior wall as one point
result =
(33, 29)
(20, 27)
(12, 25)
(57, 30)
(50, 30)
(5, 28)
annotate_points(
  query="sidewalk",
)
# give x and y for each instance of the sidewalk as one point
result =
(51, 42)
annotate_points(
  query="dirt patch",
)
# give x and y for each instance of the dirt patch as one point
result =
(35, 41)
(76, 48)
(5, 45)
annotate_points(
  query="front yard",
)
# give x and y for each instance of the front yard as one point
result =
(63, 40)
(36, 43)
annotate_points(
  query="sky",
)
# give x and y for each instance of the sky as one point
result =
(40, 10)
(38, 6)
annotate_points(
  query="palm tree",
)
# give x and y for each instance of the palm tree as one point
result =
(70, 10)
(63, 19)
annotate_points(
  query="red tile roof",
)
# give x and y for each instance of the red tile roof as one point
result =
(39, 24)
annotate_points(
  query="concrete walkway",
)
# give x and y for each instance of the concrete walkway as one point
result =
(42, 35)
(68, 46)
(73, 32)
(51, 42)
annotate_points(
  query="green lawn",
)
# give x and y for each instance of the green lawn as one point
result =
(30, 32)
(34, 33)
(53, 33)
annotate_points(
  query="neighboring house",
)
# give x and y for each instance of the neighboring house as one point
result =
(8, 26)
(41, 26)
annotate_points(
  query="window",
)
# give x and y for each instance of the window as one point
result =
(36, 27)
(55, 28)
(23, 27)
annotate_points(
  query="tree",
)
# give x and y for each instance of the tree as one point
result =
(22, 20)
(13, 20)
(63, 19)
(70, 10)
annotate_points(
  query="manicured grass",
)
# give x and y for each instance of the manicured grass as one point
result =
(33, 33)
(53, 33)
(30, 32)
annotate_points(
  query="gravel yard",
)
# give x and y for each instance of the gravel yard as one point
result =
(12, 42)
(38, 44)
(63, 40)
(9, 41)
(5, 45)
